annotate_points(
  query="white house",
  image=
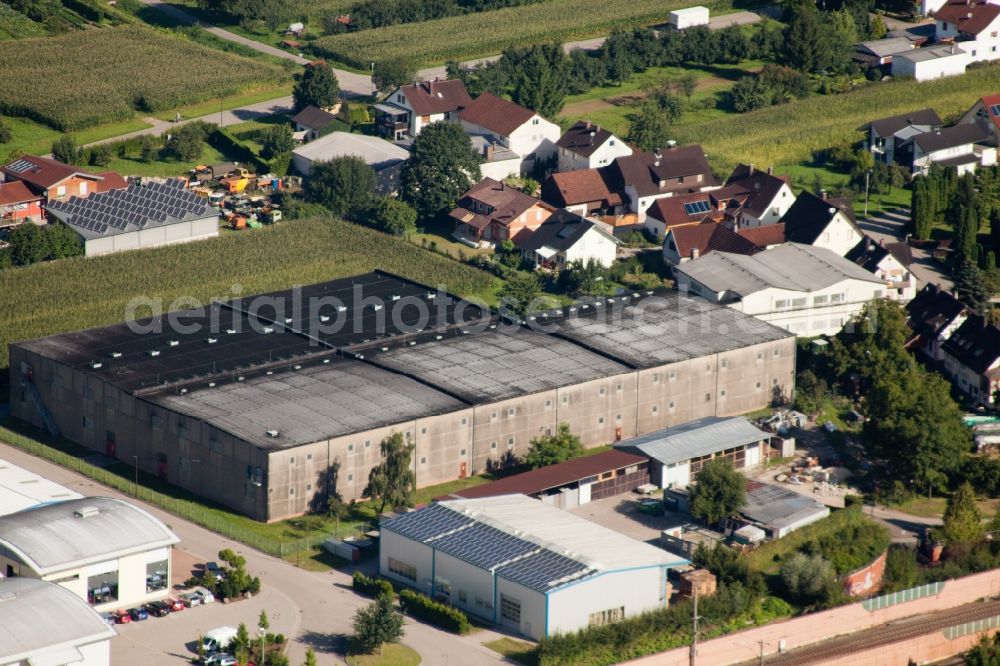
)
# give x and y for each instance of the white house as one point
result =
(965, 146)
(106, 551)
(885, 134)
(689, 17)
(822, 222)
(934, 314)
(44, 624)
(974, 25)
(408, 109)
(386, 159)
(588, 146)
(804, 289)
(525, 565)
(972, 359)
(642, 178)
(890, 262)
(567, 237)
(932, 62)
(513, 128)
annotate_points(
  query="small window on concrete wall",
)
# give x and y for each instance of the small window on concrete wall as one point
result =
(402, 569)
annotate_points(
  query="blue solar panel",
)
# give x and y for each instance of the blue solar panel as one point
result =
(483, 546)
(540, 570)
(696, 207)
(426, 523)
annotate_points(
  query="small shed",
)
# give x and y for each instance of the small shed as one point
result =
(296, 29)
(700, 581)
(689, 17)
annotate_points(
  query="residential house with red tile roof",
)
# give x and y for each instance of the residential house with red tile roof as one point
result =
(495, 211)
(584, 192)
(503, 127)
(589, 146)
(55, 181)
(985, 113)
(643, 178)
(689, 242)
(973, 25)
(18, 204)
(408, 109)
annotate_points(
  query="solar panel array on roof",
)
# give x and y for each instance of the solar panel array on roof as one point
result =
(483, 546)
(543, 570)
(132, 208)
(995, 110)
(21, 166)
(427, 523)
(696, 207)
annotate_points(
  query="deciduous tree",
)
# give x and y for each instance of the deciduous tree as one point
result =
(553, 449)
(318, 86)
(807, 577)
(719, 493)
(276, 140)
(392, 481)
(650, 128)
(519, 292)
(64, 149)
(440, 169)
(376, 624)
(391, 73)
(392, 216)
(345, 185)
(962, 522)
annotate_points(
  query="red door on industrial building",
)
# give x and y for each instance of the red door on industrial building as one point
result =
(462, 471)
(161, 465)
(110, 445)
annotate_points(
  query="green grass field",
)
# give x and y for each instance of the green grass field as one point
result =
(210, 106)
(35, 299)
(518, 652)
(392, 654)
(487, 33)
(35, 138)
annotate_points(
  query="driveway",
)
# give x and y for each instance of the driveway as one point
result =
(314, 609)
(890, 227)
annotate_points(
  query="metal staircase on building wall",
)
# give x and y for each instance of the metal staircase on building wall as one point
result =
(36, 399)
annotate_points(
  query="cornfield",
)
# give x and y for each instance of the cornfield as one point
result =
(793, 132)
(72, 294)
(486, 33)
(90, 77)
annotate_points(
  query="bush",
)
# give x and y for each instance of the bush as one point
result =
(369, 586)
(424, 608)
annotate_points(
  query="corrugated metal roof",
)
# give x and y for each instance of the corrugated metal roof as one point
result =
(38, 619)
(21, 489)
(698, 438)
(54, 537)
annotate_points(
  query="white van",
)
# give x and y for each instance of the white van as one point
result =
(218, 639)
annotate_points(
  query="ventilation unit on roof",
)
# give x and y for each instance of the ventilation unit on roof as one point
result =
(324, 318)
(212, 341)
(115, 354)
(341, 308)
(326, 360)
(240, 378)
(211, 385)
(230, 331)
(272, 433)
(413, 342)
(385, 349)
(183, 391)
(86, 512)
(377, 307)
(431, 296)
(288, 320)
(269, 372)
(154, 352)
(438, 337)
(173, 343)
(395, 297)
(94, 365)
(269, 329)
(296, 367)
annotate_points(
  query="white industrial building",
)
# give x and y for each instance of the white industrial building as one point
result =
(689, 17)
(386, 159)
(43, 624)
(677, 454)
(138, 216)
(21, 489)
(107, 551)
(524, 564)
(804, 289)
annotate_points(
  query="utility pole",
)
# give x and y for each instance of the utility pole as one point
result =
(694, 628)
(761, 643)
(868, 174)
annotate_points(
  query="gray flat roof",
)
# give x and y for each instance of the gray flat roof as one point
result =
(667, 328)
(45, 623)
(697, 438)
(790, 266)
(499, 365)
(318, 401)
(776, 508)
(932, 53)
(21, 489)
(74, 533)
(374, 151)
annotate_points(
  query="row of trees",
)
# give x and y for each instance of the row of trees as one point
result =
(31, 244)
(370, 14)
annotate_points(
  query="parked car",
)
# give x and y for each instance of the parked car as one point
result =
(138, 614)
(158, 608)
(206, 596)
(122, 616)
(214, 569)
(175, 604)
(108, 617)
(219, 659)
(190, 599)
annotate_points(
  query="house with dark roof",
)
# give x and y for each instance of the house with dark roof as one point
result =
(972, 25)
(966, 146)
(889, 261)
(768, 196)
(567, 237)
(18, 204)
(822, 222)
(886, 134)
(986, 114)
(972, 359)
(588, 146)
(408, 109)
(494, 211)
(879, 52)
(52, 180)
(505, 127)
(312, 122)
(933, 315)
(642, 178)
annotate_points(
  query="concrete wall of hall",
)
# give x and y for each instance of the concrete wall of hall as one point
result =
(205, 460)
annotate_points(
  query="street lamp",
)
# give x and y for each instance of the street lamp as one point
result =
(136, 487)
(374, 89)
(868, 174)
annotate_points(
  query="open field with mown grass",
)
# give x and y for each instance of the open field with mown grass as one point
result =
(87, 78)
(488, 33)
(82, 292)
(791, 133)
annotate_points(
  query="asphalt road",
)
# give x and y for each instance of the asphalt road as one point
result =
(313, 609)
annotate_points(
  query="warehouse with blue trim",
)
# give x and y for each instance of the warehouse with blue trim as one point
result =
(523, 564)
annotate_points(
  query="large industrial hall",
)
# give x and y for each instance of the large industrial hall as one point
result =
(267, 404)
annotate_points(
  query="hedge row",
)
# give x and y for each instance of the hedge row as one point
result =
(370, 587)
(424, 608)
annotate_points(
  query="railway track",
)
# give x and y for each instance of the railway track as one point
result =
(887, 634)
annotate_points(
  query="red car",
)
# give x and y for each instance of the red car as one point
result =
(121, 616)
(175, 604)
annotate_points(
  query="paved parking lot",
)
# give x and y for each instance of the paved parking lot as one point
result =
(622, 515)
